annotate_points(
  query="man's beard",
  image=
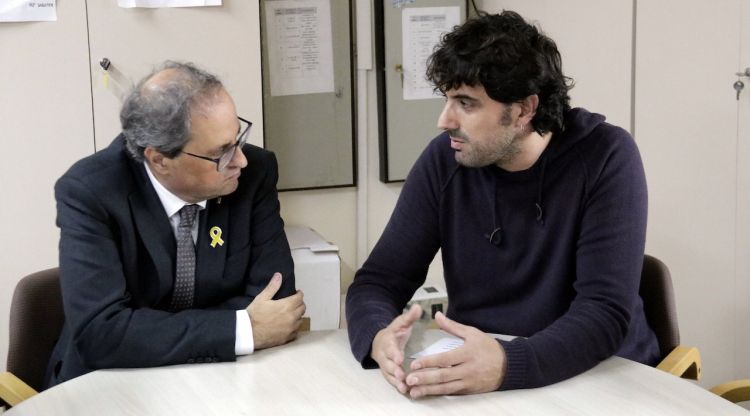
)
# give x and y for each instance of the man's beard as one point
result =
(500, 150)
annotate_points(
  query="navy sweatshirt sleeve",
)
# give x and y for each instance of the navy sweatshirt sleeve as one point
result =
(398, 264)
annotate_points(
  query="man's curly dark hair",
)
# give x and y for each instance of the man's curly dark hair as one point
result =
(511, 59)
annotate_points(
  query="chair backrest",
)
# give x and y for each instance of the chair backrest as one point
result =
(658, 302)
(36, 321)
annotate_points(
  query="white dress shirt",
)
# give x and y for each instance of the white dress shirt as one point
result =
(243, 341)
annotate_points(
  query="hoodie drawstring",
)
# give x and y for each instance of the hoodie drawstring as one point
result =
(540, 186)
(496, 236)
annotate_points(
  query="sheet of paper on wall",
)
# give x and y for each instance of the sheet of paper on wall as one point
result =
(300, 46)
(28, 11)
(401, 3)
(129, 4)
(421, 29)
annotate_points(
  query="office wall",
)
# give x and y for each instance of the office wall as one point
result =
(45, 125)
(46, 120)
(135, 40)
(330, 212)
(595, 41)
(686, 124)
(742, 274)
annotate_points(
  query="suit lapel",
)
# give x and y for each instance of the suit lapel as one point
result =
(154, 228)
(211, 258)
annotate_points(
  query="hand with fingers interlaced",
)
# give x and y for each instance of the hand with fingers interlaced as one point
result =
(477, 366)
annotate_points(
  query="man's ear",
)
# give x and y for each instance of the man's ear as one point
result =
(156, 160)
(528, 109)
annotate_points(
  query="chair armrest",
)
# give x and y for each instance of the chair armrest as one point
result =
(683, 362)
(305, 326)
(13, 390)
(735, 391)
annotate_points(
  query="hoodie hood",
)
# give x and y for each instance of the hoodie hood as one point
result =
(578, 124)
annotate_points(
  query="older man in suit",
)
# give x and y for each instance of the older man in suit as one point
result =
(172, 249)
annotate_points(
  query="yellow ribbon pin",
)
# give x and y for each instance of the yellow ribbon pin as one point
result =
(215, 233)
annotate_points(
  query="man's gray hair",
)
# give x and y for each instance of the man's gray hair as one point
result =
(159, 116)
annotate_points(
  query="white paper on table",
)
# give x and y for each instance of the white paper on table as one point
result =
(421, 29)
(28, 11)
(300, 46)
(446, 344)
(442, 345)
(128, 4)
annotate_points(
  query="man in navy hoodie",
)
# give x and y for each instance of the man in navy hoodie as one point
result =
(540, 212)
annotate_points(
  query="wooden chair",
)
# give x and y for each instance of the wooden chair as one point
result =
(658, 302)
(735, 391)
(36, 321)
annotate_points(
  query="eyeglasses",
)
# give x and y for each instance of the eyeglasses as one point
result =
(223, 161)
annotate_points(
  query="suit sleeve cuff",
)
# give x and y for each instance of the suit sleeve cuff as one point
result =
(243, 342)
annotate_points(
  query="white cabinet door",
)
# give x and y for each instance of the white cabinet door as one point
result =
(686, 128)
(224, 40)
(742, 292)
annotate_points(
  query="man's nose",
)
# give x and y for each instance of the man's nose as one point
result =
(447, 120)
(239, 160)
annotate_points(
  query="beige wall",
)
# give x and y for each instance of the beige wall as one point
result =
(46, 119)
(332, 213)
(686, 126)
(742, 273)
(45, 125)
(595, 41)
(135, 40)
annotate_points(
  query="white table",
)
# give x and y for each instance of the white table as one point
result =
(316, 374)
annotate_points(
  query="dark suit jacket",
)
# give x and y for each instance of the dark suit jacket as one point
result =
(117, 260)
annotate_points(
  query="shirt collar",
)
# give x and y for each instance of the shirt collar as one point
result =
(172, 203)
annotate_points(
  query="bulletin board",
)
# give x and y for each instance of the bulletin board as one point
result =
(405, 33)
(308, 91)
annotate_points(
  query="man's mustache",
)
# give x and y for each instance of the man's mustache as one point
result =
(458, 134)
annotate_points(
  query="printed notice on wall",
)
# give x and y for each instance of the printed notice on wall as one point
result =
(128, 4)
(28, 11)
(422, 28)
(300, 47)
